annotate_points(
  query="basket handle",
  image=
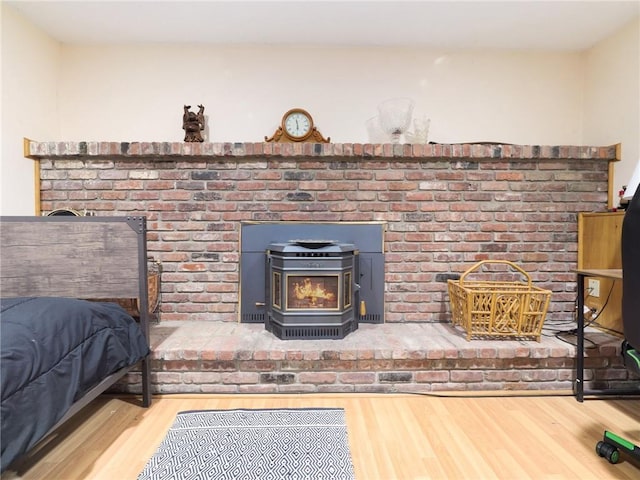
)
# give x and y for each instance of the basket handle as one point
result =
(504, 262)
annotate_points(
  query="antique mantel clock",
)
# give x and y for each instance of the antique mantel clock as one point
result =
(297, 126)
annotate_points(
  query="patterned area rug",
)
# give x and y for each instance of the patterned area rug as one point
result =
(254, 444)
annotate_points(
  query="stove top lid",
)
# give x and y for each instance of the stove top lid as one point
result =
(305, 245)
(312, 243)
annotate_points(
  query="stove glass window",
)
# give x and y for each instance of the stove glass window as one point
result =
(277, 290)
(347, 290)
(317, 292)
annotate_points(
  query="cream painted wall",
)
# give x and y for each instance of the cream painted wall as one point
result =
(135, 93)
(30, 73)
(612, 98)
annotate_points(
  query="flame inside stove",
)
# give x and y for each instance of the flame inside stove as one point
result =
(312, 292)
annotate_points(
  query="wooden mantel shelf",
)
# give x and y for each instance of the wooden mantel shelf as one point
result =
(171, 151)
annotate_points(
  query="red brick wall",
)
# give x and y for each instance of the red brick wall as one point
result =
(446, 207)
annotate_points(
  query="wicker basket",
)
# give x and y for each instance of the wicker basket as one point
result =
(498, 308)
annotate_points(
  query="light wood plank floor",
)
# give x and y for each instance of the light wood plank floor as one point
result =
(392, 436)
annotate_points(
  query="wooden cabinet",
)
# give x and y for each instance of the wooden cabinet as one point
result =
(599, 236)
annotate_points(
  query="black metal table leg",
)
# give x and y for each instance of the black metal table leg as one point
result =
(579, 385)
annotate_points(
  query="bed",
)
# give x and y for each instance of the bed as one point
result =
(64, 338)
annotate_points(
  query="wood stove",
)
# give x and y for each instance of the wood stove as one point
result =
(256, 238)
(312, 289)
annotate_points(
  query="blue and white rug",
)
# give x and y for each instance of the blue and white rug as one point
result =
(306, 443)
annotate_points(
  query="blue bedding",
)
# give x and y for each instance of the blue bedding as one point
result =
(53, 350)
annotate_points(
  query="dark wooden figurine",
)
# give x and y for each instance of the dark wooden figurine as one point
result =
(193, 124)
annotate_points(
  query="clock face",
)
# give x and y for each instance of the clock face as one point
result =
(297, 124)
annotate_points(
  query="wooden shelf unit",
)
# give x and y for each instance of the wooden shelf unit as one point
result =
(599, 236)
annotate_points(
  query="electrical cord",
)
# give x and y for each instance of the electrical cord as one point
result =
(592, 321)
(551, 328)
(609, 330)
(560, 331)
(606, 302)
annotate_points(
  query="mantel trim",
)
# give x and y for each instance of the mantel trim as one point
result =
(172, 151)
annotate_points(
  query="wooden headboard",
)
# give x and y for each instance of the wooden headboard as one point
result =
(78, 257)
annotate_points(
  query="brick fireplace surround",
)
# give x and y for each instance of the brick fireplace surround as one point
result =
(445, 207)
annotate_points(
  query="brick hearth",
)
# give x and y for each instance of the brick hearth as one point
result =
(224, 357)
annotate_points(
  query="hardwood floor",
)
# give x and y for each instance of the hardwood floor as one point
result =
(392, 436)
